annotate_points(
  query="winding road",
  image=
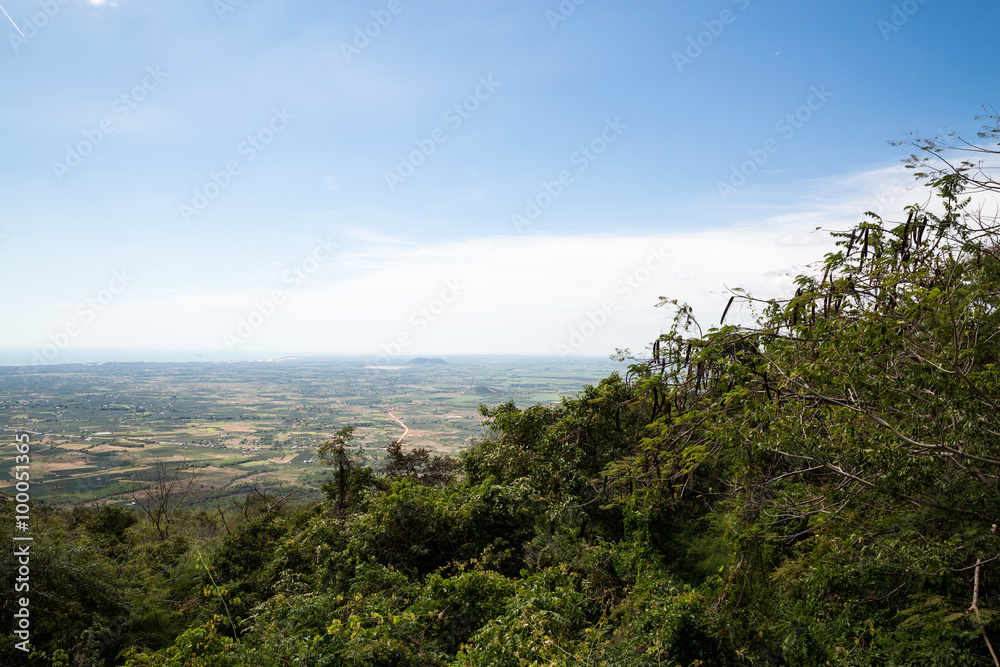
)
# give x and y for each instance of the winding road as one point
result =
(406, 429)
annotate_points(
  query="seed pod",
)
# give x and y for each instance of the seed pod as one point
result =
(919, 231)
(726, 310)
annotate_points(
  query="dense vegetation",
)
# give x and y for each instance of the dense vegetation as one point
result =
(817, 488)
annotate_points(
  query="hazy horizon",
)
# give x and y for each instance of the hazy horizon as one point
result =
(23, 357)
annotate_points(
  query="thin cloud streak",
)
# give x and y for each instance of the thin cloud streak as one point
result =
(11, 21)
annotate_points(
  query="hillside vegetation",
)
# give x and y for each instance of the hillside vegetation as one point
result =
(817, 488)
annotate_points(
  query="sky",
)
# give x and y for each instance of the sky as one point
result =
(244, 179)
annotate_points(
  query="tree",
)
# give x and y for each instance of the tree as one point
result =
(859, 416)
(419, 464)
(164, 495)
(256, 499)
(334, 452)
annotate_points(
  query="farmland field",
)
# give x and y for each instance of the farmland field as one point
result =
(99, 429)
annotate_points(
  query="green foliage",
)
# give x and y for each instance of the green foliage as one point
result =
(418, 528)
(200, 646)
(419, 464)
(558, 449)
(542, 624)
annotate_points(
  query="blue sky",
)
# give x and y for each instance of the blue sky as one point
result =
(469, 177)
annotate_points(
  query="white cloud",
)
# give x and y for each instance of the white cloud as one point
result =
(515, 295)
(518, 294)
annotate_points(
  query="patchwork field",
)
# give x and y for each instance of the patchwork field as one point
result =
(98, 430)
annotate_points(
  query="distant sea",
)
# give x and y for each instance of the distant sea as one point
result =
(23, 357)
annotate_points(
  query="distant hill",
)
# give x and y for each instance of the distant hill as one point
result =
(479, 390)
(424, 361)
